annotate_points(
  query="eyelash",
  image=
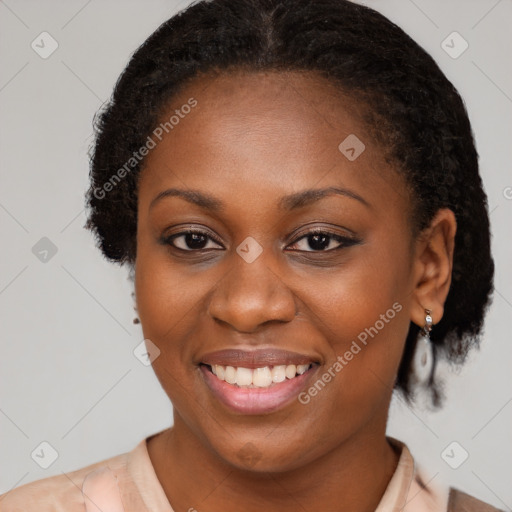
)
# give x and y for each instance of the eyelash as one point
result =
(344, 241)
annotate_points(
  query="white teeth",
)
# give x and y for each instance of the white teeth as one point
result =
(258, 377)
(301, 368)
(244, 376)
(278, 373)
(262, 377)
(230, 375)
(220, 372)
(290, 371)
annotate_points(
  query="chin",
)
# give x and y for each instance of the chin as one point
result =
(265, 457)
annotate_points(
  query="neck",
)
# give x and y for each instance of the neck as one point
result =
(353, 476)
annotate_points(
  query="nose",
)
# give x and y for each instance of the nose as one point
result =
(250, 295)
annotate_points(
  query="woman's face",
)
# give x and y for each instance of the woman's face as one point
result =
(299, 276)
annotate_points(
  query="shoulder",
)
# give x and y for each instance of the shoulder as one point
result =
(459, 501)
(421, 494)
(67, 491)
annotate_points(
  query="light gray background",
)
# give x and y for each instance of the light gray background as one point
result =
(68, 374)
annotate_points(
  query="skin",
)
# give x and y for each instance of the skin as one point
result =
(252, 139)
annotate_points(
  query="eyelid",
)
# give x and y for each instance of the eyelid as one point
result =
(169, 238)
(319, 230)
(343, 240)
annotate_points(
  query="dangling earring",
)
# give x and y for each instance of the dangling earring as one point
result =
(423, 358)
(136, 320)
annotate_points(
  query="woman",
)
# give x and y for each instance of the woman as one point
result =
(295, 186)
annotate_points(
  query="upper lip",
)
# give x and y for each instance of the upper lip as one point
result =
(256, 358)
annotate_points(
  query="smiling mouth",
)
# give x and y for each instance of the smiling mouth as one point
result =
(264, 377)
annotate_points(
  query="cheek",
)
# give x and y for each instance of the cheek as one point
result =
(363, 314)
(168, 303)
(171, 299)
(166, 292)
(367, 293)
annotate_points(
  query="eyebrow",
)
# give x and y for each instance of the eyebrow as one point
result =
(289, 202)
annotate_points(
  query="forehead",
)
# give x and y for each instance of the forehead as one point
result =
(267, 132)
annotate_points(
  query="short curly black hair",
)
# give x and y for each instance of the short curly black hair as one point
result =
(411, 108)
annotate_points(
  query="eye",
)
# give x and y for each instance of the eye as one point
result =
(191, 240)
(320, 240)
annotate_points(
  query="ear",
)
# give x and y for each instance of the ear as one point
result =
(433, 264)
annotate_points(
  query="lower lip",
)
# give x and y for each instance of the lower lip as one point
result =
(256, 400)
